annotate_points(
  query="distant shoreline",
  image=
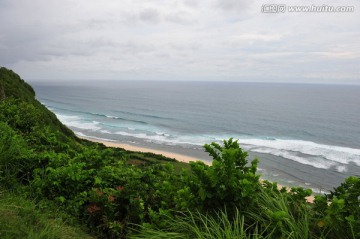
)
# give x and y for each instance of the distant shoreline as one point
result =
(178, 157)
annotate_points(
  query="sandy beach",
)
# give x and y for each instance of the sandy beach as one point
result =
(178, 157)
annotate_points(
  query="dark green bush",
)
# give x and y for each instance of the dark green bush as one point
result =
(15, 162)
(338, 213)
(229, 182)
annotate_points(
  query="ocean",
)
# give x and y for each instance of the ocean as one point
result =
(304, 134)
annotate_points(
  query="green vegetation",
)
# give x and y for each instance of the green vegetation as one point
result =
(22, 218)
(120, 194)
(197, 225)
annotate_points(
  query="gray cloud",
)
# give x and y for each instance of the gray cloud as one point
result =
(234, 5)
(182, 17)
(177, 39)
(150, 15)
(191, 3)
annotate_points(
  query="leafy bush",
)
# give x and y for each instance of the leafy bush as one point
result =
(229, 182)
(20, 115)
(338, 213)
(14, 157)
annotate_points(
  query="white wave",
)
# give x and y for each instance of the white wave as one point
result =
(341, 168)
(305, 152)
(156, 138)
(105, 131)
(336, 154)
(111, 117)
(65, 118)
(165, 138)
(319, 191)
(129, 134)
(80, 134)
(162, 133)
(76, 122)
(285, 154)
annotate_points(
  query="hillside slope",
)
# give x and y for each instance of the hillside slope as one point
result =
(40, 155)
(13, 87)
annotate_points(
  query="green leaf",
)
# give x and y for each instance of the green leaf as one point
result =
(202, 194)
(62, 199)
(98, 180)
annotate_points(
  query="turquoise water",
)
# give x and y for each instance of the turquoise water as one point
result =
(304, 134)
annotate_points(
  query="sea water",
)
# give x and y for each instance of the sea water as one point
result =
(304, 134)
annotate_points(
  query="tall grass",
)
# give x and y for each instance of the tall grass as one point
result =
(196, 225)
(282, 217)
(276, 216)
(21, 218)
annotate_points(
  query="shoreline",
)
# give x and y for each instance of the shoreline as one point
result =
(176, 156)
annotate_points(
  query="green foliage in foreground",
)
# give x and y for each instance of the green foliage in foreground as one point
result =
(203, 226)
(278, 215)
(117, 193)
(229, 182)
(339, 212)
(13, 157)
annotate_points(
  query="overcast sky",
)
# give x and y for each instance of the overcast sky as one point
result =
(179, 40)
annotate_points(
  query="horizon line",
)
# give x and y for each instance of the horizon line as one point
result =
(75, 81)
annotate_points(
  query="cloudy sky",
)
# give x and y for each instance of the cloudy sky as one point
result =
(220, 40)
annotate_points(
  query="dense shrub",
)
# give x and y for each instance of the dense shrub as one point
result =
(229, 182)
(338, 213)
(15, 164)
